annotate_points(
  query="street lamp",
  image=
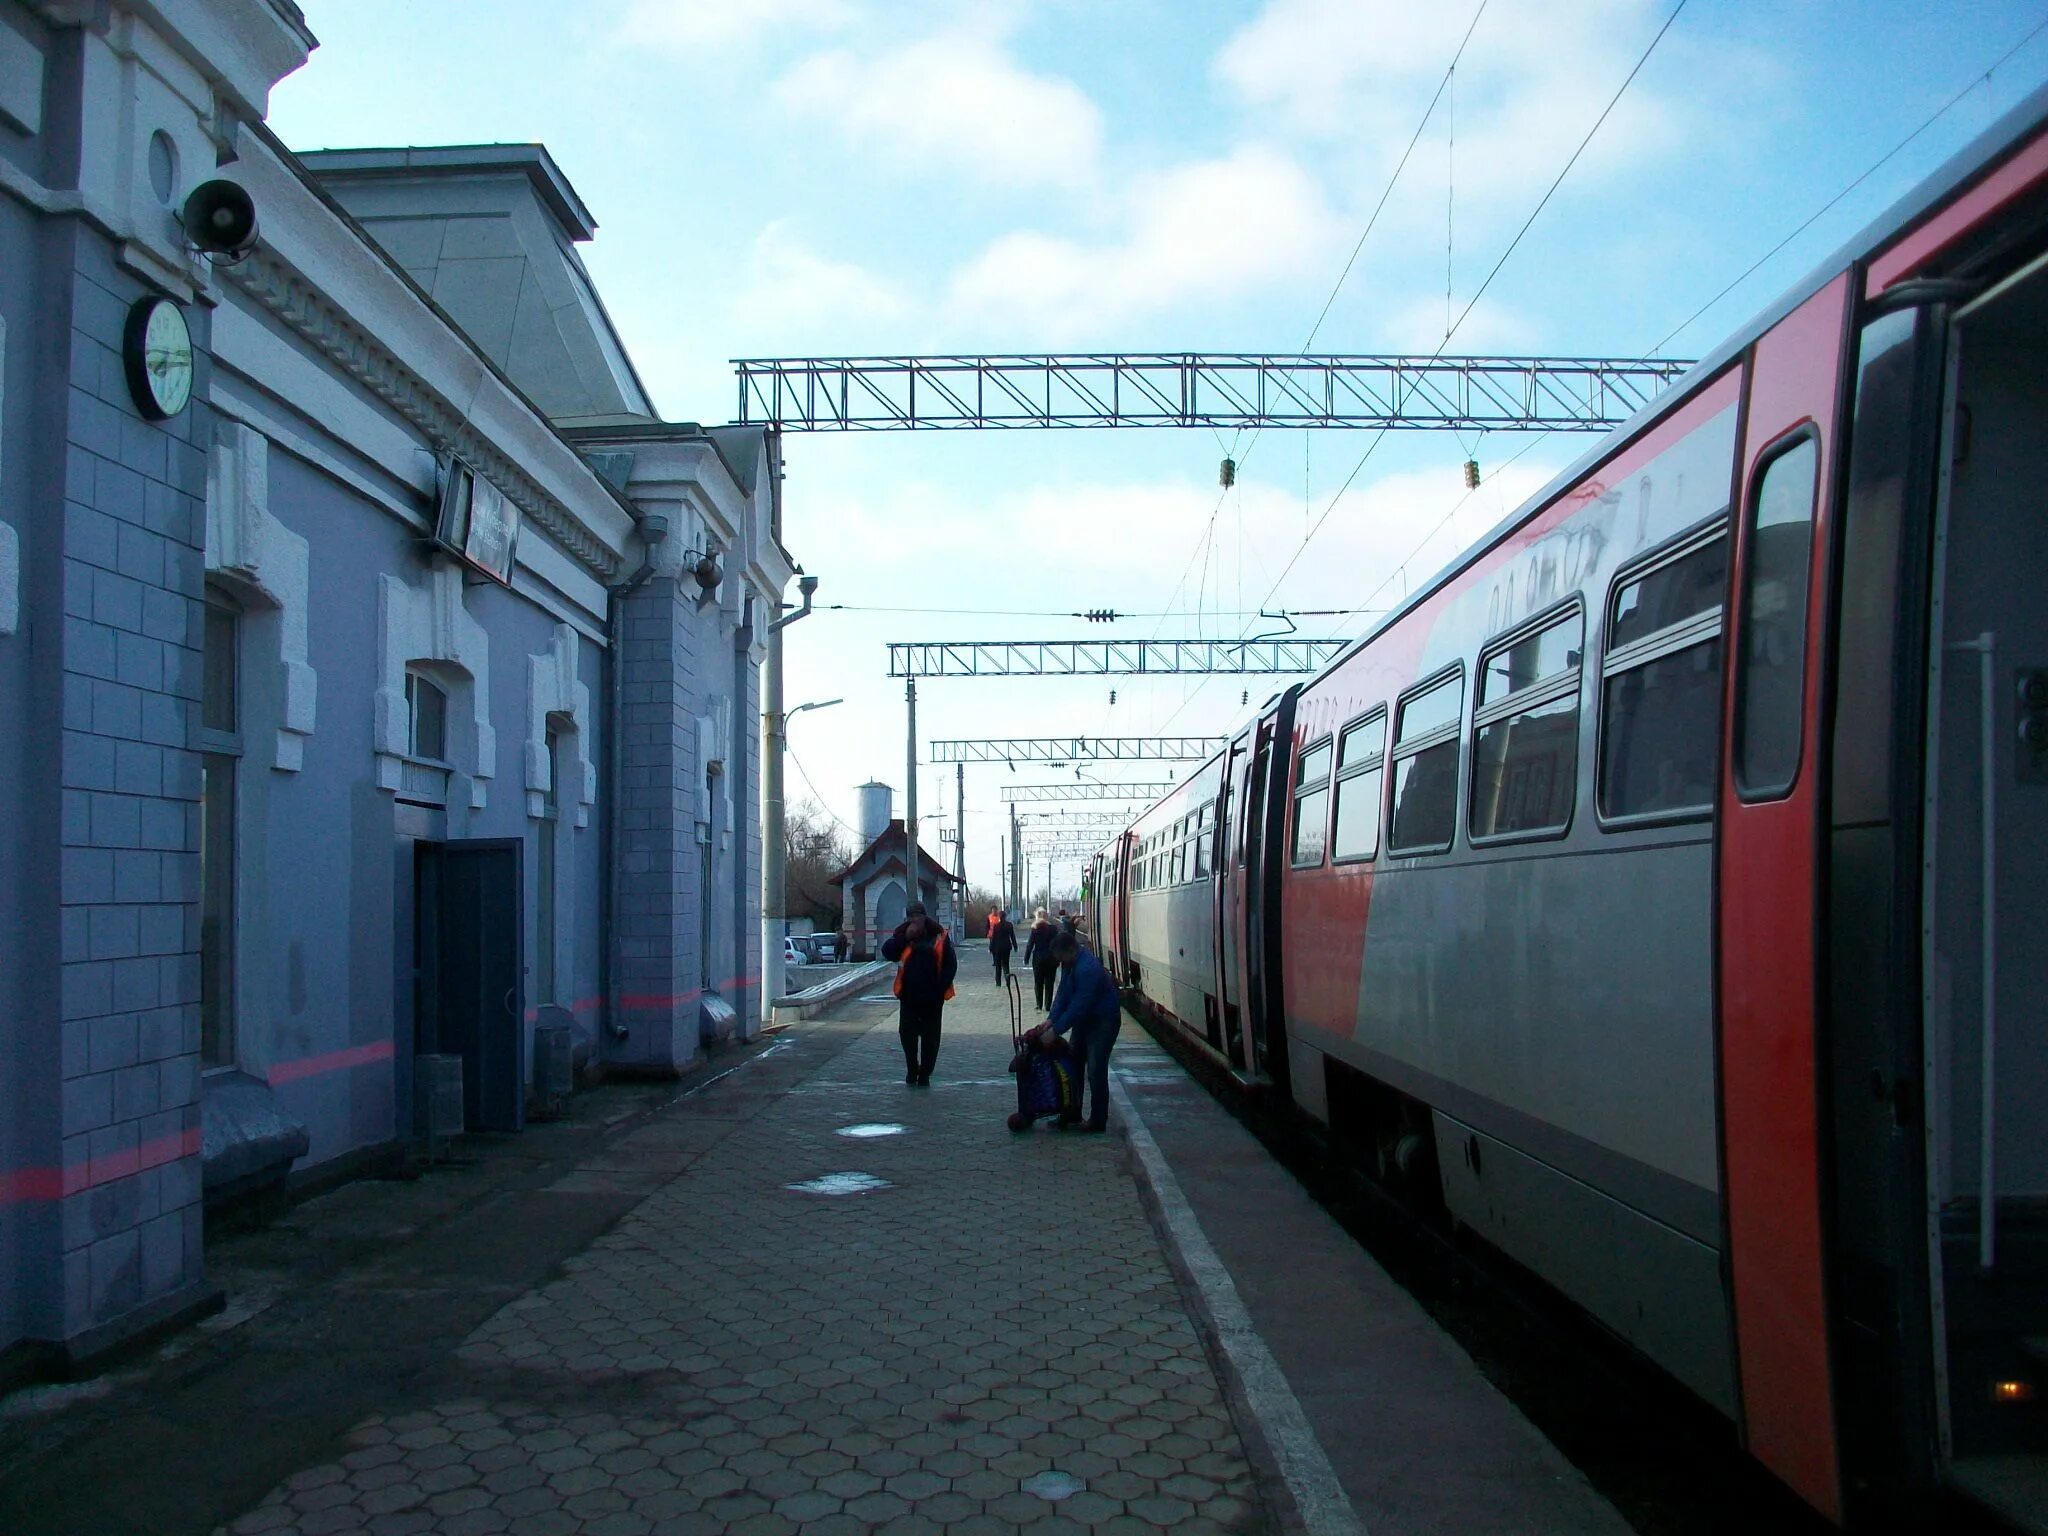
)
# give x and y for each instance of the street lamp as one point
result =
(819, 704)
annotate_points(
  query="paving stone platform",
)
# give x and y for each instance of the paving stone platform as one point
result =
(982, 1333)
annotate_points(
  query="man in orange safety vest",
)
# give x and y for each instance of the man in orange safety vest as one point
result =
(925, 967)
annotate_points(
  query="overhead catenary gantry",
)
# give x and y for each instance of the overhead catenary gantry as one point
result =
(1082, 790)
(1061, 750)
(1109, 658)
(1199, 389)
(1090, 819)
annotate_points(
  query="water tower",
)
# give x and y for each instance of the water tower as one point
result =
(876, 803)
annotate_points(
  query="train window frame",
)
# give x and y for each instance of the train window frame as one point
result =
(1738, 650)
(1399, 752)
(1347, 773)
(1306, 789)
(1656, 646)
(1569, 683)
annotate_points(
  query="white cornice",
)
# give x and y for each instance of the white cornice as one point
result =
(324, 284)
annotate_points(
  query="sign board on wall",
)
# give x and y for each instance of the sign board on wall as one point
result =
(478, 522)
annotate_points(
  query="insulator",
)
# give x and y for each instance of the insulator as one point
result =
(1112, 695)
(1100, 615)
(1227, 475)
(1471, 474)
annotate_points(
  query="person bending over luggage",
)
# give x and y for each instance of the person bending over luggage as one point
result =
(1089, 1013)
(1038, 955)
(1002, 943)
(925, 966)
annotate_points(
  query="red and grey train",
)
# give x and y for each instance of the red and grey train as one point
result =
(1658, 889)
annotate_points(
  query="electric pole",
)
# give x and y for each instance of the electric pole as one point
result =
(910, 786)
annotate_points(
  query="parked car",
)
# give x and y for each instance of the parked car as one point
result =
(825, 948)
(793, 952)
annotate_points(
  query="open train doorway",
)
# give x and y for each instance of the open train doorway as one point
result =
(1985, 933)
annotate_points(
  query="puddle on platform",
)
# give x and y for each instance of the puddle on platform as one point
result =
(840, 1184)
(1053, 1485)
(865, 1131)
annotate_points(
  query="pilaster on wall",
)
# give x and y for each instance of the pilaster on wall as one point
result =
(127, 1168)
(425, 621)
(263, 558)
(657, 916)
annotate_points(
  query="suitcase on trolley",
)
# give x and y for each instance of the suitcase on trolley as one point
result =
(1044, 1069)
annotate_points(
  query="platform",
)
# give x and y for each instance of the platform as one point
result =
(830, 1303)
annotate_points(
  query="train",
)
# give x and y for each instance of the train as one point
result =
(1657, 893)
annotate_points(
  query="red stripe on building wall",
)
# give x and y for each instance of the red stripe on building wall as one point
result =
(334, 1061)
(42, 1184)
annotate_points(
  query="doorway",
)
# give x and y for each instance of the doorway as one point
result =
(469, 961)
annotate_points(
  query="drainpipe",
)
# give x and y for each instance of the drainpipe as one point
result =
(653, 530)
(774, 850)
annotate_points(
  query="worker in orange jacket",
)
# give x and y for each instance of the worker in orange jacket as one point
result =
(925, 966)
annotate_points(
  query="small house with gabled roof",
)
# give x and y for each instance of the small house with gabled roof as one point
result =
(875, 890)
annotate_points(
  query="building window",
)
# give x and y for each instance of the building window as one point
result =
(1361, 752)
(1311, 804)
(1660, 704)
(426, 710)
(220, 751)
(1770, 683)
(1525, 742)
(1425, 801)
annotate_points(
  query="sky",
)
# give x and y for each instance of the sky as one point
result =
(833, 177)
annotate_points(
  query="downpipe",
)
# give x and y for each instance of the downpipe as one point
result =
(653, 531)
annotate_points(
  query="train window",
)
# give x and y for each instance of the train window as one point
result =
(1425, 813)
(1311, 804)
(1770, 663)
(1525, 744)
(1355, 829)
(1660, 705)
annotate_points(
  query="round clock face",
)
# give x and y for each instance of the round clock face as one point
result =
(158, 354)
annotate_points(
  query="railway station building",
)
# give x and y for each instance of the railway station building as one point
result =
(381, 671)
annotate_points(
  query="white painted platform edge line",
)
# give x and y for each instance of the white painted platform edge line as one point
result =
(1318, 1496)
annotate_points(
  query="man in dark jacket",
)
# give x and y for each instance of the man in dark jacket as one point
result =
(1002, 943)
(1089, 1012)
(925, 967)
(1038, 955)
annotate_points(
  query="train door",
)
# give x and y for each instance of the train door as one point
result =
(1227, 861)
(1265, 844)
(1985, 906)
(1768, 909)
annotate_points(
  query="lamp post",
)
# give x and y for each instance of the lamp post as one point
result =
(774, 725)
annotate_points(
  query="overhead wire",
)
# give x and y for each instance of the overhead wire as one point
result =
(1875, 166)
(1380, 436)
(1349, 262)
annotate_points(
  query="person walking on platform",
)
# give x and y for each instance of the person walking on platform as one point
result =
(1038, 955)
(1090, 1014)
(925, 967)
(1002, 943)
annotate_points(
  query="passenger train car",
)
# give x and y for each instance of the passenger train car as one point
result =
(1659, 890)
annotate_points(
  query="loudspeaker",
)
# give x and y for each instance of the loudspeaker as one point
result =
(220, 219)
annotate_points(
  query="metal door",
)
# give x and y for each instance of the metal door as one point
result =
(1229, 897)
(1771, 809)
(1265, 813)
(470, 928)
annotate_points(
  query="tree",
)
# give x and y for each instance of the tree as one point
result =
(815, 848)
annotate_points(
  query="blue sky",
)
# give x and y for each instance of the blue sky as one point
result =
(831, 176)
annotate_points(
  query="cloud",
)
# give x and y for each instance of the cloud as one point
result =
(790, 290)
(1531, 82)
(1203, 231)
(690, 26)
(954, 102)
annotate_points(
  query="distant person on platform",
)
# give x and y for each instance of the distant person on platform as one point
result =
(1002, 943)
(1089, 1013)
(1038, 955)
(925, 966)
(1066, 921)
